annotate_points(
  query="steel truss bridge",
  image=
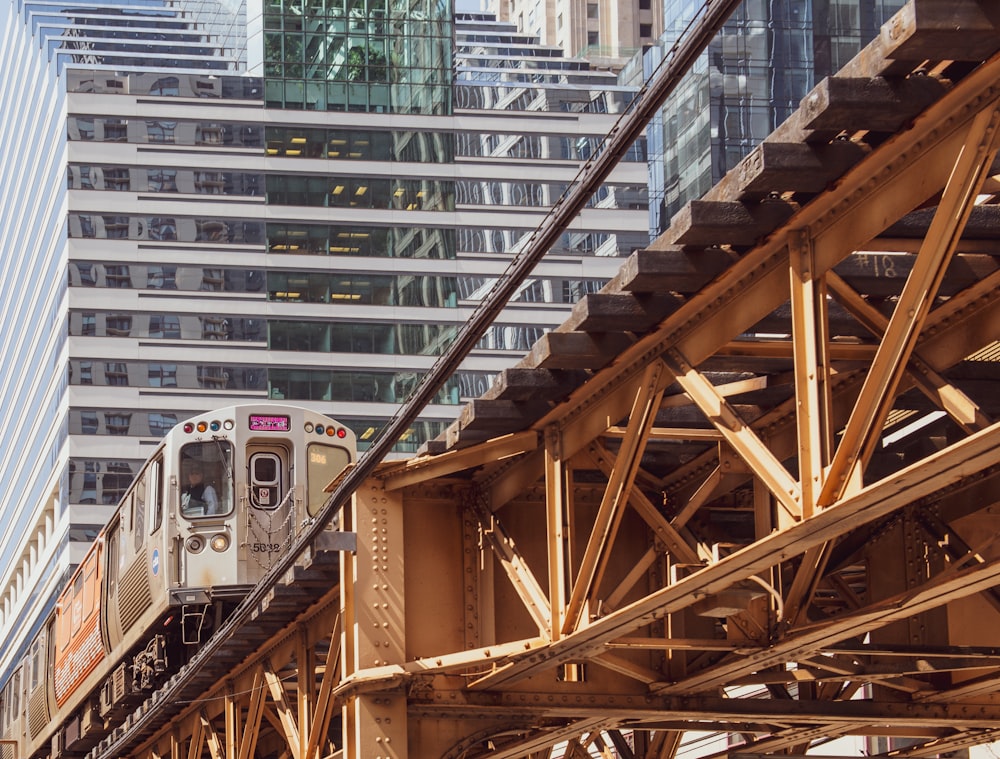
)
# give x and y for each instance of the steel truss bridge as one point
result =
(753, 486)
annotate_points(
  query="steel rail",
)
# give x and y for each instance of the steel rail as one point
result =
(675, 64)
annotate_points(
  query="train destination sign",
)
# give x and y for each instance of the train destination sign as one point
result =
(269, 423)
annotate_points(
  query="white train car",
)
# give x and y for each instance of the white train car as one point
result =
(211, 511)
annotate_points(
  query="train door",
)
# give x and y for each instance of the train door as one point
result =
(37, 668)
(17, 724)
(156, 545)
(271, 512)
(113, 567)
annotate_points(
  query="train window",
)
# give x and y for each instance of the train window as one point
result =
(62, 619)
(207, 485)
(35, 677)
(114, 558)
(265, 480)
(325, 463)
(89, 587)
(77, 607)
(139, 509)
(15, 696)
(156, 495)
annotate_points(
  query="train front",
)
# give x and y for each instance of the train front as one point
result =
(244, 481)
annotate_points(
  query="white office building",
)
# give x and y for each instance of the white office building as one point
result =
(203, 204)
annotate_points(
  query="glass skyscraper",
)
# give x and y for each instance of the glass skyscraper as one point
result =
(300, 200)
(383, 56)
(750, 79)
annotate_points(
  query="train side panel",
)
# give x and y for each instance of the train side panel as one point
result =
(79, 645)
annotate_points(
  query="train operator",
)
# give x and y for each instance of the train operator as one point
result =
(197, 494)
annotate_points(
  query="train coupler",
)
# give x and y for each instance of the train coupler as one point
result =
(149, 663)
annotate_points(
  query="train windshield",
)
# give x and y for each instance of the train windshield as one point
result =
(207, 478)
(325, 463)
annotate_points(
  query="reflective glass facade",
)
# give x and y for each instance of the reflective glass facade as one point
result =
(752, 77)
(377, 56)
(33, 401)
(46, 527)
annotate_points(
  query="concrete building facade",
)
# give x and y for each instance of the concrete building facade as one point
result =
(300, 202)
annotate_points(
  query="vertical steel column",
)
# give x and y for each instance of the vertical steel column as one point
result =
(375, 723)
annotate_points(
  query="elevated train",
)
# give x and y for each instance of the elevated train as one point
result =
(210, 512)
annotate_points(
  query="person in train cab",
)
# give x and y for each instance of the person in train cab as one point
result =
(198, 496)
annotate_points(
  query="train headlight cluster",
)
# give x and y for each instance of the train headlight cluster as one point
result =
(215, 425)
(328, 430)
(196, 543)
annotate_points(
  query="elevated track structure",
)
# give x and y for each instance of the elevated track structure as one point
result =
(753, 486)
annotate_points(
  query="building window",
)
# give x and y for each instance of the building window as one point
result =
(163, 375)
(164, 325)
(117, 179)
(592, 10)
(81, 129)
(88, 422)
(88, 492)
(161, 278)
(86, 274)
(161, 131)
(209, 134)
(115, 130)
(216, 328)
(162, 229)
(162, 180)
(116, 374)
(161, 424)
(117, 423)
(88, 325)
(593, 38)
(118, 325)
(116, 275)
(116, 227)
(115, 481)
(645, 31)
(213, 377)
(209, 182)
(168, 85)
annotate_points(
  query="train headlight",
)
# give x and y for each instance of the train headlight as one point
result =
(228, 424)
(220, 542)
(195, 543)
(309, 426)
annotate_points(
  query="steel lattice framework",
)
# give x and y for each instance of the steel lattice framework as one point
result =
(753, 486)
